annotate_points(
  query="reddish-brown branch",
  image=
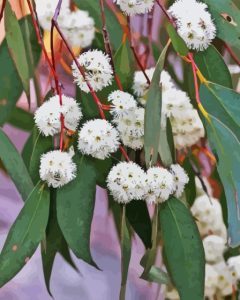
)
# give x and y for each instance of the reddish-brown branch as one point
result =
(2, 9)
(107, 43)
(233, 55)
(135, 52)
(194, 69)
(160, 4)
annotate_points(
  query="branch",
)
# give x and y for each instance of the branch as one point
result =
(232, 54)
(160, 4)
(2, 9)
(107, 44)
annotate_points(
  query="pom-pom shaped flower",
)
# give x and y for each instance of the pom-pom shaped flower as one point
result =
(160, 185)
(226, 281)
(234, 266)
(98, 138)
(57, 168)
(46, 9)
(180, 179)
(126, 182)
(133, 7)
(47, 116)
(214, 247)
(194, 23)
(121, 102)
(211, 281)
(98, 71)
(79, 29)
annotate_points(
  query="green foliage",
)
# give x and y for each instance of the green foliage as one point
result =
(75, 206)
(25, 234)
(21, 119)
(178, 43)
(15, 166)
(183, 249)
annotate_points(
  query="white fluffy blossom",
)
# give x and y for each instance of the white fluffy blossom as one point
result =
(225, 279)
(122, 103)
(46, 9)
(214, 247)
(98, 138)
(180, 178)
(133, 7)
(234, 266)
(131, 128)
(194, 23)
(160, 185)
(98, 71)
(47, 116)
(57, 168)
(79, 28)
(126, 182)
(211, 281)
(208, 213)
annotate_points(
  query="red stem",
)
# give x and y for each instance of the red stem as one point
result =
(233, 55)
(2, 9)
(160, 4)
(107, 44)
(194, 69)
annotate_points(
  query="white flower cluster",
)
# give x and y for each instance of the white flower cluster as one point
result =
(194, 23)
(186, 124)
(98, 138)
(57, 168)
(47, 116)
(133, 7)
(98, 71)
(127, 181)
(77, 26)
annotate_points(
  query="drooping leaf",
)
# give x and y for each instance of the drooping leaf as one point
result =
(113, 26)
(138, 217)
(226, 16)
(21, 119)
(211, 64)
(165, 144)
(152, 122)
(25, 234)
(54, 243)
(75, 206)
(190, 187)
(183, 249)
(102, 168)
(15, 166)
(9, 78)
(16, 46)
(178, 43)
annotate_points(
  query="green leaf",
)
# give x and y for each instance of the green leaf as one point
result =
(152, 122)
(25, 234)
(123, 67)
(21, 119)
(178, 43)
(165, 146)
(190, 187)
(183, 249)
(226, 16)
(15, 166)
(75, 207)
(54, 243)
(40, 145)
(16, 46)
(9, 78)
(125, 253)
(210, 62)
(138, 216)
(102, 168)
(113, 26)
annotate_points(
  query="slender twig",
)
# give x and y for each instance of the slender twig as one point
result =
(107, 43)
(135, 52)
(194, 69)
(2, 9)
(232, 54)
(160, 4)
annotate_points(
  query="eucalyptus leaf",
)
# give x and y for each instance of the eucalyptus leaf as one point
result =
(15, 166)
(178, 43)
(185, 262)
(21, 119)
(75, 207)
(25, 234)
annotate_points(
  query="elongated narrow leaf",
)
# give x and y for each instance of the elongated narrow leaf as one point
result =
(15, 166)
(16, 46)
(75, 206)
(165, 144)
(21, 119)
(152, 123)
(183, 249)
(54, 243)
(210, 62)
(25, 234)
(138, 217)
(226, 16)
(178, 43)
